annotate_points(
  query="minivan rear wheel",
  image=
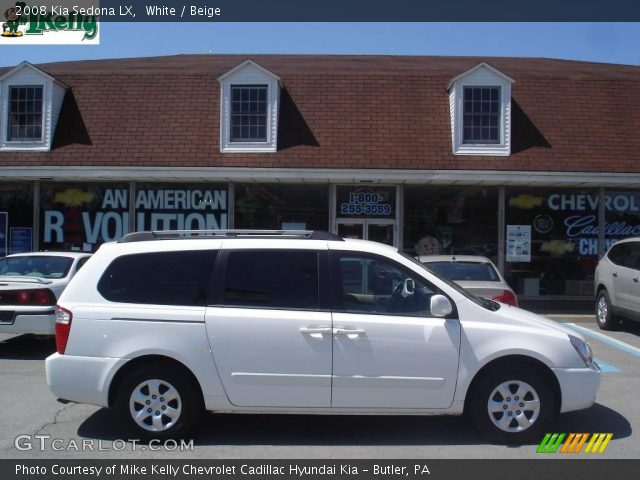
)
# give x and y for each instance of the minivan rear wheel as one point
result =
(607, 320)
(513, 406)
(157, 403)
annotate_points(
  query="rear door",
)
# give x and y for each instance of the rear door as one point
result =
(269, 327)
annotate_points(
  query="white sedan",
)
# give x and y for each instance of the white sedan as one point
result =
(30, 284)
(475, 274)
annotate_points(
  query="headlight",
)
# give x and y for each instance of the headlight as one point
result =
(583, 349)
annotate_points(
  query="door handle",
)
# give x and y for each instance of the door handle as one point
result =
(348, 331)
(635, 279)
(615, 274)
(312, 330)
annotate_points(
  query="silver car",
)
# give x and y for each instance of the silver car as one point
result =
(475, 274)
(617, 284)
(30, 284)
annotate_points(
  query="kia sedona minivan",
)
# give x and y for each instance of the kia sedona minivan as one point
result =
(163, 326)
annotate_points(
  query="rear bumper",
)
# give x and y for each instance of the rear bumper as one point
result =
(82, 379)
(578, 387)
(41, 323)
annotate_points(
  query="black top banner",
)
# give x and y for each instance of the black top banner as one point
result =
(333, 10)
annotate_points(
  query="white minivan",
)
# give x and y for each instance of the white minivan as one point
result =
(162, 326)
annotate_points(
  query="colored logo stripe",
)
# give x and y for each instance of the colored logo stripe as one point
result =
(574, 442)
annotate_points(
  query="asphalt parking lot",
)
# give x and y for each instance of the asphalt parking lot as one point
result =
(28, 408)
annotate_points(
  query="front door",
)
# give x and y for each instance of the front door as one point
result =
(388, 351)
(269, 336)
(382, 231)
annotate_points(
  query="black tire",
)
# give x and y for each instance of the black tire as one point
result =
(189, 402)
(478, 405)
(606, 319)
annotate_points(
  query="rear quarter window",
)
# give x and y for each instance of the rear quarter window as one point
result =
(161, 278)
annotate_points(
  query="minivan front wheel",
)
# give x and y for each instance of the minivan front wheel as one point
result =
(156, 403)
(513, 406)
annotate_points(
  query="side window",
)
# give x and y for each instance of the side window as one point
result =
(272, 279)
(617, 253)
(163, 278)
(632, 256)
(369, 284)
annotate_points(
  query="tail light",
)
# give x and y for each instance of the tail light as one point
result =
(63, 328)
(29, 297)
(507, 297)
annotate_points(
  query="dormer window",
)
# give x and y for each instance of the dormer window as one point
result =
(30, 103)
(249, 108)
(25, 113)
(250, 100)
(480, 103)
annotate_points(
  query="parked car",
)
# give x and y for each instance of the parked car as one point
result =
(475, 274)
(617, 284)
(162, 326)
(30, 284)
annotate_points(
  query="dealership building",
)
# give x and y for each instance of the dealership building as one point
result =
(534, 163)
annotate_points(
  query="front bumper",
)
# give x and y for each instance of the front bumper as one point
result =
(82, 379)
(578, 387)
(40, 323)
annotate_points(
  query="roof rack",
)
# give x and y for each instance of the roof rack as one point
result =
(199, 234)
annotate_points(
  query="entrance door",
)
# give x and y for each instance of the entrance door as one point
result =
(382, 231)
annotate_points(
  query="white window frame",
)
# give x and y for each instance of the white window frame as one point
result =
(482, 75)
(28, 141)
(249, 73)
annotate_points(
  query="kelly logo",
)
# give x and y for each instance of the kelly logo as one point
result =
(26, 24)
(574, 443)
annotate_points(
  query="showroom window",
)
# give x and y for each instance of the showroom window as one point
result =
(622, 215)
(16, 218)
(82, 216)
(277, 206)
(551, 241)
(451, 220)
(25, 113)
(272, 279)
(181, 206)
(163, 278)
(249, 109)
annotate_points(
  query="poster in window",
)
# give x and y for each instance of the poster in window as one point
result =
(21, 239)
(518, 243)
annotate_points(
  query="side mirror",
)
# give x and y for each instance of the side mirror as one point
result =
(440, 306)
(408, 288)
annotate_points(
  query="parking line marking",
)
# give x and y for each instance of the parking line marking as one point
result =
(606, 367)
(625, 347)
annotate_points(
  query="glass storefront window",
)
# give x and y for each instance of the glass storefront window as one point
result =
(16, 218)
(622, 215)
(451, 220)
(551, 241)
(282, 206)
(82, 216)
(179, 206)
(359, 201)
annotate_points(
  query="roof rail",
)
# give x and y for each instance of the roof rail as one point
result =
(199, 234)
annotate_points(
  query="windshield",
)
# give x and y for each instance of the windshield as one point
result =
(41, 266)
(465, 271)
(483, 302)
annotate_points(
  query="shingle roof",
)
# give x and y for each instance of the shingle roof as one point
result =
(342, 112)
